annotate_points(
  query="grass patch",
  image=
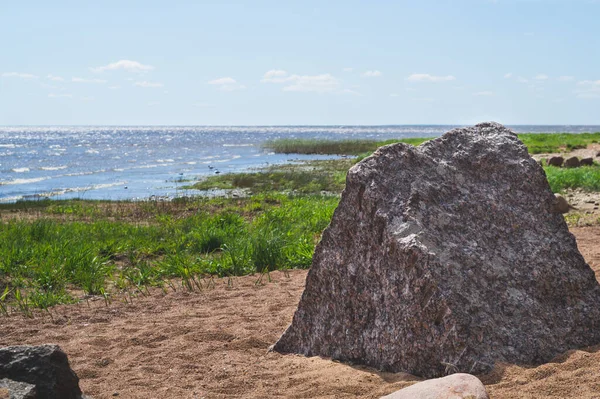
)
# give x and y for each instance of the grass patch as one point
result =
(310, 177)
(333, 147)
(537, 143)
(44, 261)
(585, 177)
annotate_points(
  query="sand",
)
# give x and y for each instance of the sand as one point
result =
(214, 344)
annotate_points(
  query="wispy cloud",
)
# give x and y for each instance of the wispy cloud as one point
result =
(394, 95)
(588, 89)
(485, 93)
(324, 83)
(275, 76)
(202, 105)
(372, 74)
(83, 80)
(61, 95)
(117, 87)
(508, 75)
(126, 65)
(55, 78)
(566, 78)
(153, 103)
(19, 75)
(521, 79)
(425, 77)
(226, 84)
(541, 76)
(147, 84)
(347, 69)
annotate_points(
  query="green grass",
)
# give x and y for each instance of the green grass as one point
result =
(586, 178)
(537, 143)
(311, 177)
(43, 262)
(335, 147)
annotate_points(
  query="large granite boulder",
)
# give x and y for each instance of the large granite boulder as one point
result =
(46, 367)
(446, 257)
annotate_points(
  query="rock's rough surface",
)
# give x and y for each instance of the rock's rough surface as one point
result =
(446, 257)
(556, 161)
(17, 390)
(455, 386)
(45, 366)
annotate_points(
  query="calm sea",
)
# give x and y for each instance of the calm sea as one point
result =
(139, 162)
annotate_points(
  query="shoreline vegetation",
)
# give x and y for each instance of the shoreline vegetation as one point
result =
(62, 251)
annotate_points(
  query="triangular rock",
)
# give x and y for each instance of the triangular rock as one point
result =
(446, 257)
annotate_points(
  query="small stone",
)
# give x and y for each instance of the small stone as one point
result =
(572, 162)
(561, 205)
(45, 366)
(556, 161)
(115, 393)
(587, 162)
(598, 154)
(454, 386)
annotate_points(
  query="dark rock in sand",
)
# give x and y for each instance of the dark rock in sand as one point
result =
(45, 366)
(556, 161)
(445, 257)
(586, 162)
(572, 162)
(455, 386)
(17, 390)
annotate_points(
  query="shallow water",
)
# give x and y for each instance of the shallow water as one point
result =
(138, 162)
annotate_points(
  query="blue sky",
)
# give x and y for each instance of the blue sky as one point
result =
(299, 62)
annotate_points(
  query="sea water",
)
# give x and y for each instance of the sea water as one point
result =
(121, 162)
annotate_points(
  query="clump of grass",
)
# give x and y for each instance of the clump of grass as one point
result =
(305, 178)
(334, 147)
(586, 178)
(46, 259)
(539, 143)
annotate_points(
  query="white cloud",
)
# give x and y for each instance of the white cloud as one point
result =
(486, 93)
(226, 84)
(316, 83)
(425, 77)
(394, 95)
(148, 84)
(566, 78)
(274, 76)
(541, 76)
(508, 75)
(372, 74)
(114, 87)
(588, 89)
(63, 95)
(126, 65)
(82, 80)
(350, 91)
(521, 79)
(88, 98)
(55, 78)
(347, 69)
(323, 83)
(19, 75)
